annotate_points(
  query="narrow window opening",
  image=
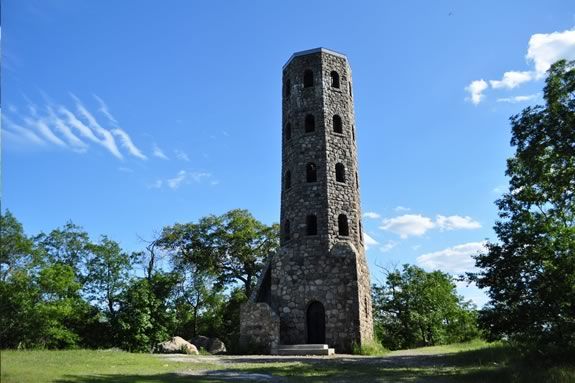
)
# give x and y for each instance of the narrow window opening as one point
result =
(356, 181)
(334, 79)
(337, 124)
(360, 233)
(339, 172)
(288, 87)
(311, 172)
(353, 132)
(309, 123)
(343, 228)
(287, 230)
(288, 131)
(287, 180)
(311, 225)
(307, 79)
(350, 95)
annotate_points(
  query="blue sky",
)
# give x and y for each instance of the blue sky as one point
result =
(125, 116)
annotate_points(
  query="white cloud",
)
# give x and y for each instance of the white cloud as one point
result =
(455, 222)
(127, 143)
(65, 130)
(546, 48)
(517, 99)
(414, 225)
(511, 80)
(181, 155)
(408, 225)
(18, 132)
(475, 90)
(371, 215)
(175, 182)
(401, 208)
(387, 246)
(44, 130)
(105, 111)
(456, 259)
(157, 152)
(184, 177)
(369, 241)
(543, 50)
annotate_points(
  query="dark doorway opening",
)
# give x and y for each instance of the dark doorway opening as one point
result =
(315, 318)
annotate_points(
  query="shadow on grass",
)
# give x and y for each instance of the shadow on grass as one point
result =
(156, 378)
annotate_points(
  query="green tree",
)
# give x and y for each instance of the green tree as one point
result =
(530, 272)
(68, 245)
(418, 308)
(16, 249)
(231, 247)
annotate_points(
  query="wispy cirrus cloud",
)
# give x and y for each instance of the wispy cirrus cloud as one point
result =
(157, 152)
(181, 155)
(543, 50)
(73, 128)
(184, 177)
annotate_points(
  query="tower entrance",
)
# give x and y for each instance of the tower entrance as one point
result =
(315, 318)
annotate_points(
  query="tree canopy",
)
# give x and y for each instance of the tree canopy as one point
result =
(529, 272)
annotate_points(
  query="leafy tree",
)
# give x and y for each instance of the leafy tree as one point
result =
(146, 315)
(108, 272)
(418, 308)
(230, 247)
(530, 271)
(16, 249)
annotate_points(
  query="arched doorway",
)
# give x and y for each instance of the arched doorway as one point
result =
(315, 320)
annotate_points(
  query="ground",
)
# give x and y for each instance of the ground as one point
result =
(470, 362)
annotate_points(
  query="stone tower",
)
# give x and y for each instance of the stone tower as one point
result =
(317, 287)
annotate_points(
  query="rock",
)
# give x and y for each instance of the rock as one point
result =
(211, 345)
(177, 345)
(216, 346)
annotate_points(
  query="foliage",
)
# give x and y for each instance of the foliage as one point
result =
(418, 308)
(231, 247)
(15, 248)
(530, 272)
(372, 348)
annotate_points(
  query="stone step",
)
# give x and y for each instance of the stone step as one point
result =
(305, 349)
(305, 346)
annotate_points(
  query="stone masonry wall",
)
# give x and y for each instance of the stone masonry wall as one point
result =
(259, 328)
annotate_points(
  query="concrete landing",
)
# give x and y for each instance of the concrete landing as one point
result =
(305, 349)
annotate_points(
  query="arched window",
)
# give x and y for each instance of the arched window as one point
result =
(334, 79)
(311, 172)
(288, 131)
(287, 180)
(337, 124)
(342, 226)
(286, 230)
(339, 172)
(309, 123)
(307, 79)
(287, 87)
(311, 225)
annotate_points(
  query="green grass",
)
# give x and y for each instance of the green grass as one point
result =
(472, 362)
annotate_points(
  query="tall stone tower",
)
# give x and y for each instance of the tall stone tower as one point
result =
(317, 287)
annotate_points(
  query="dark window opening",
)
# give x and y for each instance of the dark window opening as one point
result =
(307, 79)
(342, 226)
(350, 95)
(339, 172)
(360, 233)
(287, 180)
(311, 225)
(309, 123)
(356, 181)
(337, 124)
(288, 131)
(311, 172)
(353, 132)
(288, 87)
(287, 230)
(334, 79)
(265, 291)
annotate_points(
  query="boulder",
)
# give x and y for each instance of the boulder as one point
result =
(216, 346)
(177, 345)
(211, 345)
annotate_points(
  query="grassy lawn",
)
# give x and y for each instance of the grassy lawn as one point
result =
(474, 362)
